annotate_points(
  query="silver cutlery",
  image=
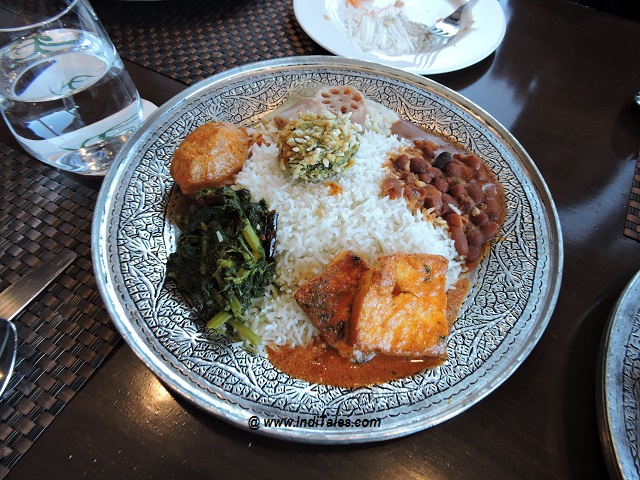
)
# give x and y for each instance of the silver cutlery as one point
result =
(15, 298)
(449, 27)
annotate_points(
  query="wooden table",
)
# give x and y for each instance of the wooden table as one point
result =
(562, 82)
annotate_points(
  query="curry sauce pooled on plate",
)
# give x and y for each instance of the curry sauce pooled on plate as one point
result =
(378, 220)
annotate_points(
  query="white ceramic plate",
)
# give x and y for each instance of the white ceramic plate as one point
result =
(484, 26)
(506, 310)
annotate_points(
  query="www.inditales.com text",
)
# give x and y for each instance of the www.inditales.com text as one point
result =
(255, 423)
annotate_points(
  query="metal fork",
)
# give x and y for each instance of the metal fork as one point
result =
(449, 26)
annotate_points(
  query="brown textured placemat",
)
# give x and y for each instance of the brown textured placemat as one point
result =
(632, 224)
(190, 40)
(65, 334)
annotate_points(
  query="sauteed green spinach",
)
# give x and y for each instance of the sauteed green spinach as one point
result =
(224, 258)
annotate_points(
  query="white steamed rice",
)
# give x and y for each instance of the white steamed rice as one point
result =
(314, 226)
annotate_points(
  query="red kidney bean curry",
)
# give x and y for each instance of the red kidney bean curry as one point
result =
(439, 176)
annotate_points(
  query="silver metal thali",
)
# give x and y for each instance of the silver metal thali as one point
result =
(619, 385)
(502, 318)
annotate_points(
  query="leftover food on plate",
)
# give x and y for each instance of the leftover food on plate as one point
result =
(388, 30)
(378, 220)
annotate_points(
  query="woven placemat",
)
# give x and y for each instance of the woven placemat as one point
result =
(190, 40)
(632, 224)
(65, 334)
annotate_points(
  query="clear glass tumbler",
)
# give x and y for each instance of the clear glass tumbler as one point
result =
(64, 92)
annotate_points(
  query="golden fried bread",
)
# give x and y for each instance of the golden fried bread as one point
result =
(328, 297)
(400, 307)
(209, 156)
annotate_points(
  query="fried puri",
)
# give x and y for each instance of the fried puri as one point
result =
(209, 156)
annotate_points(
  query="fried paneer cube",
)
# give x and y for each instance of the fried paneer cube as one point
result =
(400, 307)
(209, 156)
(327, 299)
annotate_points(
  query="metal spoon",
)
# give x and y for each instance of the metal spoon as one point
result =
(8, 349)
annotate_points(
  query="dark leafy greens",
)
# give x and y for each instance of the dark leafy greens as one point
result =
(224, 257)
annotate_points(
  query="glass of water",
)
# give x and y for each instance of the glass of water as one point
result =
(64, 92)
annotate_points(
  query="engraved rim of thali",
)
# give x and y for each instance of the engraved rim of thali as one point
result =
(619, 407)
(502, 317)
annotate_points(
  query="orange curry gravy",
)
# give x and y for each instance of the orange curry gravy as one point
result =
(320, 363)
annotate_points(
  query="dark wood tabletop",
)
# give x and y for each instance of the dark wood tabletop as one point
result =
(562, 82)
